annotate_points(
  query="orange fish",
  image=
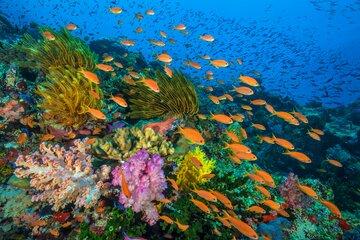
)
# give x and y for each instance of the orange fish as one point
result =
(283, 143)
(287, 117)
(196, 162)
(282, 212)
(336, 163)
(116, 10)
(193, 135)
(92, 77)
(107, 58)
(214, 99)
(96, 113)
(166, 219)
(173, 184)
(202, 206)
(237, 147)
(120, 101)
(308, 191)
(157, 43)
(244, 90)
(222, 118)
(267, 177)
(124, 186)
(48, 35)
(232, 136)
(270, 108)
(256, 178)
(71, 27)
(208, 196)
(264, 191)
(223, 199)
(47, 137)
(127, 42)
(182, 227)
(151, 84)
(180, 27)
(313, 135)
(259, 126)
(201, 116)
(229, 97)
(300, 116)
(317, 131)
(256, 209)
(258, 102)
(193, 64)
(235, 159)
(165, 201)
(271, 204)
(219, 63)
(249, 81)
(118, 64)
(168, 71)
(163, 34)
(164, 57)
(332, 207)
(208, 176)
(267, 139)
(91, 141)
(150, 12)
(242, 227)
(238, 117)
(214, 208)
(224, 221)
(54, 232)
(246, 156)
(243, 133)
(93, 93)
(207, 38)
(22, 138)
(105, 67)
(298, 156)
(246, 107)
(140, 30)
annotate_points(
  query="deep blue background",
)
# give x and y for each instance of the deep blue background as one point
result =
(303, 49)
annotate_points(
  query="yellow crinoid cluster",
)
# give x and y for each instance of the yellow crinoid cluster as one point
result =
(189, 174)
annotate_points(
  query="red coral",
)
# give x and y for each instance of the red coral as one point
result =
(293, 197)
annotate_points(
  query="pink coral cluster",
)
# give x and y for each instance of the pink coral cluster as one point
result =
(293, 197)
(146, 182)
(62, 176)
(11, 111)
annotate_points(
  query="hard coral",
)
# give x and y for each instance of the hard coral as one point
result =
(62, 176)
(127, 141)
(146, 182)
(190, 176)
(11, 111)
(64, 50)
(177, 98)
(66, 97)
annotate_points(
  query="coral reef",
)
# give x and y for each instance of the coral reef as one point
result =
(126, 141)
(177, 98)
(14, 202)
(188, 174)
(65, 50)
(275, 228)
(5, 172)
(145, 178)
(290, 192)
(63, 176)
(66, 99)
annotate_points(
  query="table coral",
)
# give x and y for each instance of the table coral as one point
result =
(146, 181)
(126, 141)
(61, 176)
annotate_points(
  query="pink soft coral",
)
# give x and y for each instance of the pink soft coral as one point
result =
(146, 181)
(293, 197)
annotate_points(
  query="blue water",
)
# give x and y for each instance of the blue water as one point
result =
(304, 49)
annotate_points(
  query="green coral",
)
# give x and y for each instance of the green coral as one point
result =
(5, 172)
(188, 174)
(119, 223)
(64, 50)
(65, 97)
(177, 98)
(127, 141)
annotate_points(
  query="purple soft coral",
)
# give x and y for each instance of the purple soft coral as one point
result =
(146, 181)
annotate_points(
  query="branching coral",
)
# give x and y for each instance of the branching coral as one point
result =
(177, 98)
(188, 174)
(63, 176)
(66, 97)
(127, 141)
(146, 181)
(64, 50)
